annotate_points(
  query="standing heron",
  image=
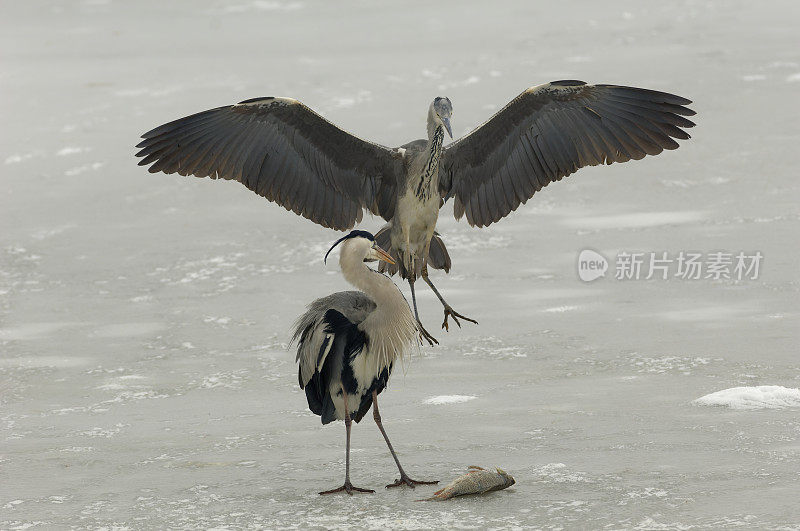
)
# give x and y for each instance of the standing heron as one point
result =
(348, 342)
(284, 151)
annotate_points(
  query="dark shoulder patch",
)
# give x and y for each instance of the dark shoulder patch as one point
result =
(568, 83)
(345, 330)
(336, 322)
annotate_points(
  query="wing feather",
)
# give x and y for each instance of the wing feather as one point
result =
(283, 151)
(549, 132)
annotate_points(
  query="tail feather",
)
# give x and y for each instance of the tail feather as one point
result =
(438, 257)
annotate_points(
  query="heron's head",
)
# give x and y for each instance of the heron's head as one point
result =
(442, 110)
(360, 244)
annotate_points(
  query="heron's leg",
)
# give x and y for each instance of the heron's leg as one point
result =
(347, 487)
(448, 310)
(404, 479)
(422, 332)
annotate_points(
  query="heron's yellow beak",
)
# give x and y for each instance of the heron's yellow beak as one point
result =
(383, 255)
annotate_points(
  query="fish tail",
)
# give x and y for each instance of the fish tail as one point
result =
(439, 495)
(435, 498)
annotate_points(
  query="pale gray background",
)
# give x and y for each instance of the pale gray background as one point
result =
(144, 376)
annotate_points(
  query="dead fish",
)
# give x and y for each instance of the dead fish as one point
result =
(476, 481)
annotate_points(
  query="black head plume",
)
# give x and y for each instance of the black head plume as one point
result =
(353, 234)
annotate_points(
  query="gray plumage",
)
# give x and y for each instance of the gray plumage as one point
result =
(309, 331)
(323, 349)
(549, 132)
(284, 151)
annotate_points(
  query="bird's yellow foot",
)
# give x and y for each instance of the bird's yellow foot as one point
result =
(405, 480)
(348, 488)
(450, 312)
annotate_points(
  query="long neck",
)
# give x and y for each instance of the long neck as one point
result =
(378, 287)
(434, 128)
(391, 325)
(432, 153)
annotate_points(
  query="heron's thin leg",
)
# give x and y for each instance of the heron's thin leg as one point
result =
(448, 310)
(424, 334)
(404, 479)
(347, 487)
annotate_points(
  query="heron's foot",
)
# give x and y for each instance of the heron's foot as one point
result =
(424, 335)
(405, 480)
(450, 312)
(348, 488)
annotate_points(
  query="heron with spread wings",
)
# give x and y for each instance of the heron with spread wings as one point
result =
(287, 153)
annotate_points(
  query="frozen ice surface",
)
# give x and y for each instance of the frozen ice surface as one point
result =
(145, 380)
(758, 397)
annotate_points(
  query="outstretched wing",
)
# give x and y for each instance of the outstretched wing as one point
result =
(284, 151)
(550, 131)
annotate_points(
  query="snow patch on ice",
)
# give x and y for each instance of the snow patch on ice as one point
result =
(560, 309)
(224, 380)
(29, 331)
(217, 320)
(667, 364)
(112, 386)
(749, 398)
(494, 348)
(703, 314)
(449, 399)
(127, 329)
(83, 169)
(71, 150)
(559, 473)
(647, 492)
(122, 383)
(106, 433)
(44, 234)
(635, 220)
(17, 158)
